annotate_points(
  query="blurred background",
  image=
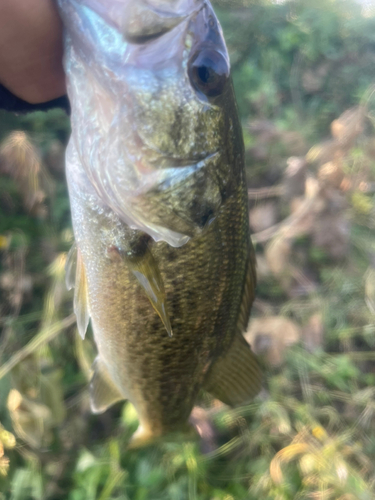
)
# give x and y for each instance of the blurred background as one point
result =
(304, 74)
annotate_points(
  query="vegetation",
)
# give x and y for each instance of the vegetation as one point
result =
(304, 75)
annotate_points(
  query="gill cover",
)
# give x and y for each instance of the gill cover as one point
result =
(142, 77)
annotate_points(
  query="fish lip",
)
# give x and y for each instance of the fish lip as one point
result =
(207, 31)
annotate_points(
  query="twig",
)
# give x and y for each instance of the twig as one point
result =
(265, 192)
(45, 335)
(287, 223)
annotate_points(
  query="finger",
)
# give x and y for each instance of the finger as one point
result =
(31, 50)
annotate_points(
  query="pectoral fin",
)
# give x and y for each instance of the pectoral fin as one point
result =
(75, 276)
(236, 377)
(103, 391)
(146, 270)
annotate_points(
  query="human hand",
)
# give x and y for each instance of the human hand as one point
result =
(31, 50)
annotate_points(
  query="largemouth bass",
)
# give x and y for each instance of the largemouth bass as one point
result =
(163, 262)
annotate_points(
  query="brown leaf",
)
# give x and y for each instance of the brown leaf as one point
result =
(277, 255)
(313, 333)
(271, 336)
(263, 216)
(331, 232)
(29, 419)
(295, 177)
(313, 79)
(349, 126)
(331, 173)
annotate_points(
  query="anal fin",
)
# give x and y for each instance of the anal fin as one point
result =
(103, 391)
(235, 378)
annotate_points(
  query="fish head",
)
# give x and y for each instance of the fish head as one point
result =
(164, 145)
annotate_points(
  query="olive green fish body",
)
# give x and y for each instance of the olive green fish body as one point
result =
(204, 283)
(164, 265)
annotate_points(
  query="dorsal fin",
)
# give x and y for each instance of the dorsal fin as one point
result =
(76, 277)
(71, 267)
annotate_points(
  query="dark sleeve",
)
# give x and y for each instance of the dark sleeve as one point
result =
(10, 102)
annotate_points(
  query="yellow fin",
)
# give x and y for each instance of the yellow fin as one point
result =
(146, 270)
(81, 299)
(103, 391)
(75, 277)
(236, 377)
(70, 267)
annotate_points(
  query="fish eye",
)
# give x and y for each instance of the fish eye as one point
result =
(208, 72)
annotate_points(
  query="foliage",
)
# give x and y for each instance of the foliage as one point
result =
(303, 74)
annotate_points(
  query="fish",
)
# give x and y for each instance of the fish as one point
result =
(162, 265)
